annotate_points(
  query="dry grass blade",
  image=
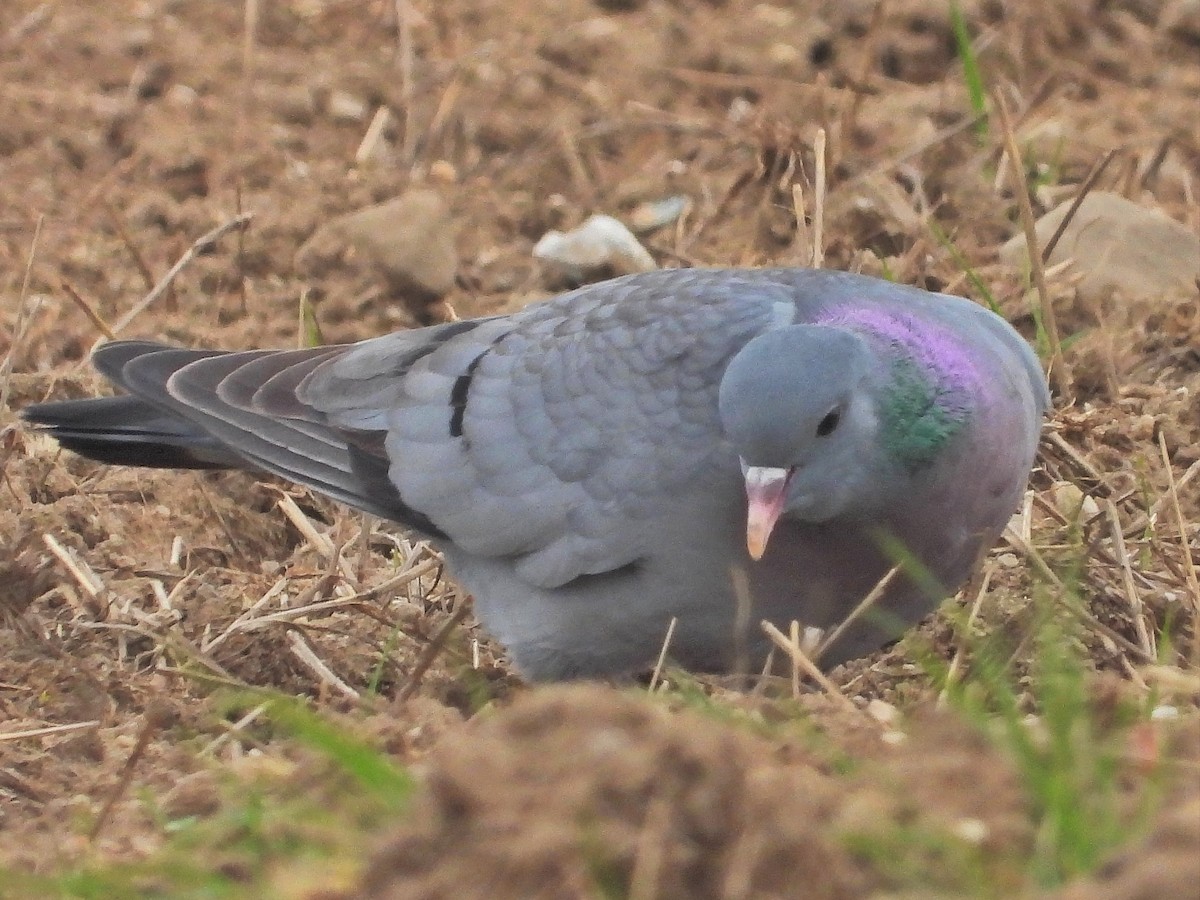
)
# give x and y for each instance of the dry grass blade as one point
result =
(49, 730)
(1189, 562)
(139, 261)
(23, 317)
(1138, 525)
(88, 310)
(802, 242)
(801, 661)
(1059, 370)
(1035, 559)
(1137, 608)
(320, 542)
(1077, 460)
(325, 675)
(430, 653)
(83, 574)
(368, 147)
(157, 716)
(956, 663)
(274, 591)
(819, 185)
(662, 656)
(866, 603)
(201, 244)
(233, 729)
(1084, 189)
(407, 56)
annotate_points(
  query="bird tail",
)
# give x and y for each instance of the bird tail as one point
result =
(129, 431)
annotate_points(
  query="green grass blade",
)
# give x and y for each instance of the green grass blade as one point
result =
(971, 73)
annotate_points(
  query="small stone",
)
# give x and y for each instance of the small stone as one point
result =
(346, 108)
(600, 243)
(883, 712)
(972, 831)
(656, 214)
(1068, 499)
(410, 241)
(443, 171)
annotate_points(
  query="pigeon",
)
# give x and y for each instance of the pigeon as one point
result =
(693, 450)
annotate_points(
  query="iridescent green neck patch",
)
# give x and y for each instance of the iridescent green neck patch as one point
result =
(929, 397)
(918, 416)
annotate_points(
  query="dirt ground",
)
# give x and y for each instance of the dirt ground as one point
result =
(132, 603)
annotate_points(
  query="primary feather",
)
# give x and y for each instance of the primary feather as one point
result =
(580, 463)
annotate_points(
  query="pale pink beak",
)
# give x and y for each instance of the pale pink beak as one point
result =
(766, 491)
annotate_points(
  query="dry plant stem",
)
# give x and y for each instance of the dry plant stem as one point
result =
(802, 243)
(237, 728)
(956, 662)
(430, 653)
(1160, 155)
(662, 656)
(1027, 550)
(48, 730)
(247, 622)
(305, 653)
(445, 107)
(1192, 471)
(1193, 581)
(799, 659)
(322, 544)
(407, 76)
(88, 311)
(1077, 459)
(201, 243)
(1137, 609)
(81, 572)
(219, 516)
(866, 603)
(139, 261)
(574, 160)
(794, 637)
(1059, 371)
(373, 136)
(152, 721)
(818, 239)
(1084, 189)
(743, 607)
(23, 316)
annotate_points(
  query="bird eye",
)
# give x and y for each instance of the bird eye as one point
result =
(830, 422)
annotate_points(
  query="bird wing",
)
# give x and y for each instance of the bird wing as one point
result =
(555, 436)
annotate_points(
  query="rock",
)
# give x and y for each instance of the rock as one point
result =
(410, 241)
(1119, 248)
(346, 108)
(600, 244)
(655, 214)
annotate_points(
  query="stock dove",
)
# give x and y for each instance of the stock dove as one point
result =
(596, 465)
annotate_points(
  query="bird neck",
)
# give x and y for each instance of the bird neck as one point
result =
(920, 412)
(928, 381)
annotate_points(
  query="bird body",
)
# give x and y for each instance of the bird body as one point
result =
(589, 465)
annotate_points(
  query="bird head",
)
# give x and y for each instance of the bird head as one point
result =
(797, 406)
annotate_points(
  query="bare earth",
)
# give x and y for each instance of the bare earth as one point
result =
(133, 604)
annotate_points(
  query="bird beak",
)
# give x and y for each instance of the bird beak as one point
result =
(766, 491)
